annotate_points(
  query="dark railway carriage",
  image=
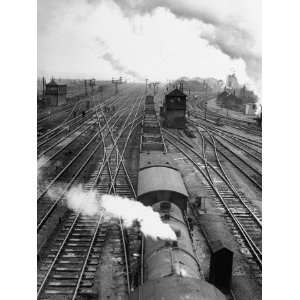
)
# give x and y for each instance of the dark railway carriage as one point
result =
(158, 180)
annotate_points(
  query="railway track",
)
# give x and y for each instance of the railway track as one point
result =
(249, 142)
(248, 151)
(66, 153)
(46, 116)
(69, 266)
(246, 126)
(251, 170)
(71, 170)
(69, 127)
(245, 220)
(46, 205)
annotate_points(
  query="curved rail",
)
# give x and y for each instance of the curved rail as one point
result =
(105, 161)
(249, 241)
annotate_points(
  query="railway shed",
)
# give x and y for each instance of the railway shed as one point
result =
(56, 94)
(174, 108)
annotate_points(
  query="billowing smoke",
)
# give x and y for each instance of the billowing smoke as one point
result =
(130, 210)
(41, 163)
(90, 203)
(119, 67)
(225, 33)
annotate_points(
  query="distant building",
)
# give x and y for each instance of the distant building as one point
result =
(232, 82)
(56, 94)
(250, 109)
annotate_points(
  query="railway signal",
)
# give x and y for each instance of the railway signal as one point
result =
(146, 85)
(205, 104)
(117, 82)
(92, 83)
(85, 87)
(101, 92)
(155, 87)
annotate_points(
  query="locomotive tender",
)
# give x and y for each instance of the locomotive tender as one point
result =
(171, 270)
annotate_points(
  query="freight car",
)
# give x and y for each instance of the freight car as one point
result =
(171, 270)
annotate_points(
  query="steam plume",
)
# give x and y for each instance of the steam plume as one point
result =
(119, 67)
(41, 163)
(225, 34)
(90, 203)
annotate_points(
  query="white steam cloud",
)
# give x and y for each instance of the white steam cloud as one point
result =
(41, 163)
(90, 203)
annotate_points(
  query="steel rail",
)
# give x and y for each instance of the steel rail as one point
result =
(236, 193)
(76, 120)
(251, 244)
(232, 123)
(223, 177)
(241, 148)
(216, 114)
(112, 190)
(123, 152)
(65, 137)
(258, 221)
(62, 246)
(71, 162)
(230, 134)
(236, 155)
(54, 205)
(74, 139)
(74, 158)
(258, 185)
(104, 162)
(232, 143)
(56, 257)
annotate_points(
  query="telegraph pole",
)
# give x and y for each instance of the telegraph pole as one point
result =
(146, 85)
(44, 86)
(101, 92)
(155, 84)
(205, 107)
(92, 84)
(85, 87)
(117, 82)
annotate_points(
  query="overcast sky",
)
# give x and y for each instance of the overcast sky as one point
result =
(157, 39)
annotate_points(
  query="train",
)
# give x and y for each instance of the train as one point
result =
(171, 270)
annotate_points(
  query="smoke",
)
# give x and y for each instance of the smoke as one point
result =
(41, 163)
(130, 210)
(119, 67)
(236, 43)
(90, 203)
(225, 32)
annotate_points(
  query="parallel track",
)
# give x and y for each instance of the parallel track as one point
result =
(246, 220)
(251, 170)
(70, 267)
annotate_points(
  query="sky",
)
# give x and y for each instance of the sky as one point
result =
(159, 39)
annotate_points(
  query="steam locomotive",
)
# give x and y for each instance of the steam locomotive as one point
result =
(171, 270)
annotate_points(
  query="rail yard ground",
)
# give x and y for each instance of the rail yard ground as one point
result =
(84, 254)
